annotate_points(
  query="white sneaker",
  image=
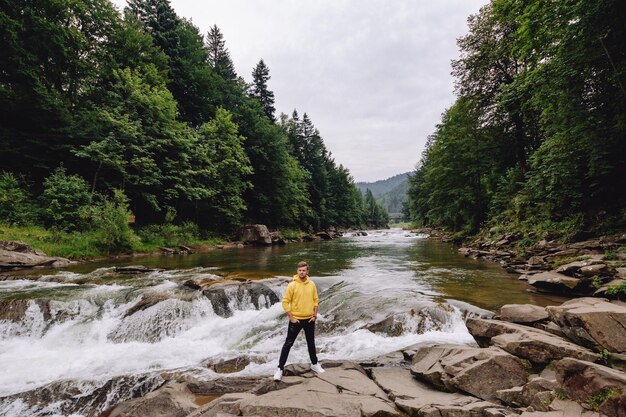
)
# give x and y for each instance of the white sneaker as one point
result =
(317, 368)
(278, 374)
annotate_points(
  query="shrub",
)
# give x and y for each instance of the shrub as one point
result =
(63, 200)
(109, 220)
(16, 207)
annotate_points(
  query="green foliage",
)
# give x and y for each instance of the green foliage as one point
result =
(109, 221)
(596, 401)
(375, 214)
(63, 200)
(16, 206)
(536, 135)
(619, 290)
(140, 103)
(610, 256)
(604, 357)
(169, 235)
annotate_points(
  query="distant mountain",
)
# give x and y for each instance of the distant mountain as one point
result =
(390, 193)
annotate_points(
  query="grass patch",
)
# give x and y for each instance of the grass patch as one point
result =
(597, 400)
(292, 234)
(567, 260)
(88, 244)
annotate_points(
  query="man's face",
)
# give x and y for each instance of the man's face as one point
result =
(303, 271)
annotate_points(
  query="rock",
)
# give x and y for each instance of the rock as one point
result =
(592, 322)
(171, 400)
(229, 366)
(324, 236)
(147, 301)
(573, 267)
(342, 391)
(568, 408)
(15, 255)
(599, 386)
(432, 316)
(277, 238)
(605, 290)
(524, 396)
(528, 343)
(523, 313)
(479, 372)
(15, 310)
(256, 234)
(133, 269)
(417, 398)
(593, 270)
(225, 295)
(550, 281)
(389, 359)
(536, 260)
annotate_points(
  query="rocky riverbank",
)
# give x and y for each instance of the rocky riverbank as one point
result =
(559, 361)
(595, 267)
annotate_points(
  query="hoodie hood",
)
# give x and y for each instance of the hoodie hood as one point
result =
(297, 279)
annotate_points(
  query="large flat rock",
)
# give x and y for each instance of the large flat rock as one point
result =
(476, 371)
(523, 313)
(342, 391)
(592, 322)
(417, 398)
(550, 281)
(536, 345)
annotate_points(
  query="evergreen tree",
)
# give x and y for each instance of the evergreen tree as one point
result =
(218, 55)
(260, 91)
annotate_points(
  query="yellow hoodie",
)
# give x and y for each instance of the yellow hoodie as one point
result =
(300, 298)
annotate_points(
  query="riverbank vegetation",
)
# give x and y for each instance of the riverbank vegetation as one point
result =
(536, 140)
(140, 116)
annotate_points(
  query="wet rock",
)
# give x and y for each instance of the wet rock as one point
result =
(224, 295)
(592, 322)
(479, 372)
(256, 234)
(390, 359)
(277, 238)
(86, 398)
(419, 399)
(133, 269)
(15, 310)
(171, 400)
(416, 320)
(523, 313)
(324, 236)
(593, 384)
(528, 343)
(147, 301)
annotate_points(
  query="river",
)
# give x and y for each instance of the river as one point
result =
(87, 344)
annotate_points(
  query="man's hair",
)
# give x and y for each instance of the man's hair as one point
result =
(302, 263)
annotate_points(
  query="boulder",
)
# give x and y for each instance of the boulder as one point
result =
(240, 295)
(600, 387)
(523, 313)
(256, 234)
(324, 235)
(594, 270)
(417, 398)
(479, 372)
(171, 400)
(14, 255)
(535, 345)
(229, 366)
(574, 267)
(551, 281)
(15, 310)
(592, 322)
(524, 396)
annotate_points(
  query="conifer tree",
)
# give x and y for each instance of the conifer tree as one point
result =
(219, 57)
(260, 91)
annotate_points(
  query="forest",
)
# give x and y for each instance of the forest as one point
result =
(110, 115)
(536, 139)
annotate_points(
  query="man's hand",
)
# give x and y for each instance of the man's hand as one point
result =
(292, 319)
(312, 319)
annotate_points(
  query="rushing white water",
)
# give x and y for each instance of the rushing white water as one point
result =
(90, 333)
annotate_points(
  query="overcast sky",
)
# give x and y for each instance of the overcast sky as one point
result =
(373, 75)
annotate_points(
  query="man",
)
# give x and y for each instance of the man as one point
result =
(300, 304)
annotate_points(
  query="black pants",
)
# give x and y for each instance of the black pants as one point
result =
(292, 332)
